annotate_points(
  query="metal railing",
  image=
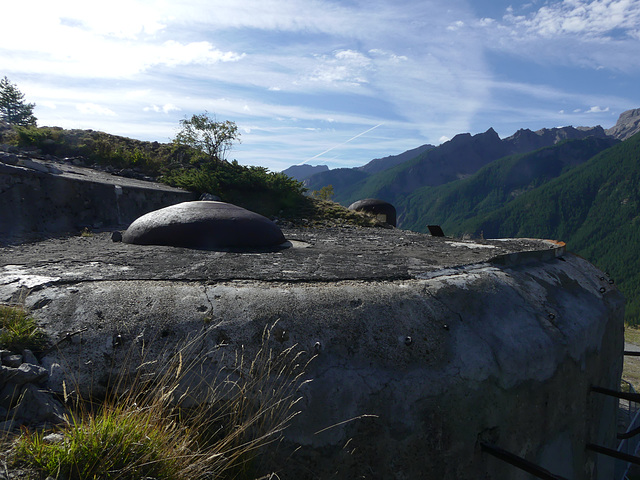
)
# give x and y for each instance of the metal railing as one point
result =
(630, 440)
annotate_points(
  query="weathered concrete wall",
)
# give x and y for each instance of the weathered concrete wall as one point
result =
(444, 353)
(39, 198)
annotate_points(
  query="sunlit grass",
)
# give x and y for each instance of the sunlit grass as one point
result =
(152, 427)
(19, 330)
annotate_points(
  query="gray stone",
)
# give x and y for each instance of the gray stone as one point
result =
(83, 196)
(53, 438)
(9, 395)
(204, 225)
(37, 406)
(29, 357)
(25, 373)
(9, 425)
(13, 360)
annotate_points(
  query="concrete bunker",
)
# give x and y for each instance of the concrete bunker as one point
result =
(204, 225)
(436, 350)
(383, 211)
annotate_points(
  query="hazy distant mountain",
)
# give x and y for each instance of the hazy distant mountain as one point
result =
(379, 164)
(458, 158)
(628, 125)
(302, 172)
(343, 178)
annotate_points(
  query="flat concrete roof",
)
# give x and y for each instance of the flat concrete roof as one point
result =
(20, 164)
(316, 254)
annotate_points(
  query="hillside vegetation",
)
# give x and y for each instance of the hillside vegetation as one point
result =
(255, 188)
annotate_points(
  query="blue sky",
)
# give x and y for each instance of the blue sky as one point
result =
(324, 82)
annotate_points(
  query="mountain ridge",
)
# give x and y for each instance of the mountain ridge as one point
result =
(350, 186)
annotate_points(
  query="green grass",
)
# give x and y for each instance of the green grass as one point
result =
(19, 330)
(149, 426)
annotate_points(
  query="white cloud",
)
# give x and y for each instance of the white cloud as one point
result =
(166, 108)
(581, 17)
(598, 109)
(94, 109)
(313, 72)
(347, 67)
(585, 33)
(456, 26)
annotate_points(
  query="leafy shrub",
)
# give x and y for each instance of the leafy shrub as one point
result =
(45, 138)
(255, 188)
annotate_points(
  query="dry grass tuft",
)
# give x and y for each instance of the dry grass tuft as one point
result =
(174, 423)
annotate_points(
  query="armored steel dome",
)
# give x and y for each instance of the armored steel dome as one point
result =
(204, 225)
(384, 211)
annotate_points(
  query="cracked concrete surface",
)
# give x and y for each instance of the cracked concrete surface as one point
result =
(440, 344)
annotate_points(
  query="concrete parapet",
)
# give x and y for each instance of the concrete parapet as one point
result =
(40, 199)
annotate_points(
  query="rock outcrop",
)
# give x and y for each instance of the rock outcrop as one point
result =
(628, 125)
(24, 398)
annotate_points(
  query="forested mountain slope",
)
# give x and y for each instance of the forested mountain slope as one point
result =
(594, 208)
(494, 185)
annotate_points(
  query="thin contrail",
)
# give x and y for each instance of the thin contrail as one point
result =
(343, 143)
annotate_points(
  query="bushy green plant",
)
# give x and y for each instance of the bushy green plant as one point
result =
(45, 138)
(19, 330)
(147, 428)
(255, 188)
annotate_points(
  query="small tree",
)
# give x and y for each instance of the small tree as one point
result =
(204, 133)
(13, 109)
(325, 193)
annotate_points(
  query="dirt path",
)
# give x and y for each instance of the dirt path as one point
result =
(631, 369)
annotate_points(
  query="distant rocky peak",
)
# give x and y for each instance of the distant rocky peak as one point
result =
(628, 125)
(303, 172)
(525, 140)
